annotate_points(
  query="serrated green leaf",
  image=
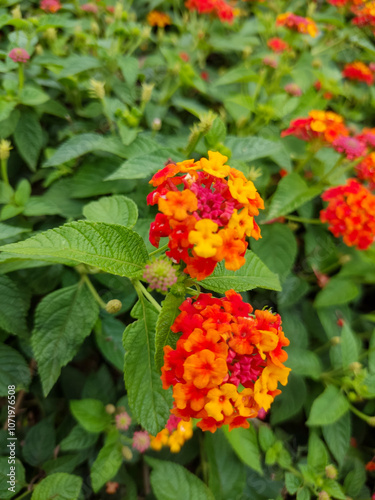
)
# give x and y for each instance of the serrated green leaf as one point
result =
(85, 143)
(13, 307)
(333, 489)
(32, 96)
(251, 275)
(337, 291)
(355, 479)
(90, 414)
(28, 137)
(303, 494)
(245, 444)
(58, 486)
(60, 328)
(108, 461)
(116, 209)
(164, 335)
(251, 148)
(109, 339)
(277, 248)
(216, 134)
(328, 407)
(20, 481)
(317, 456)
(112, 248)
(78, 439)
(292, 483)
(304, 362)
(170, 481)
(337, 436)
(226, 473)
(13, 370)
(39, 443)
(149, 402)
(291, 193)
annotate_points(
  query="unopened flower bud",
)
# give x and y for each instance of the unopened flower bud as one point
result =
(254, 173)
(156, 124)
(147, 89)
(123, 421)
(127, 452)
(95, 28)
(50, 34)
(355, 367)
(371, 421)
(118, 11)
(323, 495)
(110, 409)
(160, 274)
(5, 147)
(16, 12)
(113, 306)
(331, 471)
(97, 90)
(344, 259)
(247, 51)
(19, 55)
(335, 340)
(39, 49)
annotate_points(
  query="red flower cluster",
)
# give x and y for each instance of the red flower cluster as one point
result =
(223, 349)
(303, 25)
(278, 45)
(324, 126)
(206, 213)
(365, 13)
(358, 71)
(350, 213)
(217, 8)
(366, 170)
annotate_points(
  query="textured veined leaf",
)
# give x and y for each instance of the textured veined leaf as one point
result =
(107, 462)
(13, 307)
(245, 444)
(337, 437)
(170, 481)
(28, 137)
(91, 414)
(60, 328)
(13, 370)
(110, 247)
(20, 481)
(251, 148)
(251, 275)
(58, 486)
(328, 407)
(116, 209)
(149, 402)
(337, 291)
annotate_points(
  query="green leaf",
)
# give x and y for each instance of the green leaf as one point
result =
(109, 247)
(266, 437)
(371, 354)
(290, 401)
(108, 336)
(78, 439)
(164, 335)
(251, 148)
(85, 143)
(144, 167)
(107, 462)
(129, 67)
(355, 479)
(328, 407)
(63, 319)
(149, 402)
(75, 64)
(116, 209)
(245, 444)
(349, 345)
(13, 370)
(292, 483)
(226, 473)
(13, 307)
(251, 275)
(170, 481)
(280, 237)
(292, 192)
(236, 75)
(304, 362)
(39, 443)
(317, 456)
(5, 468)
(33, 96)
(333, 489)
(59, 486)
(337, 437)
(91, 414)
(337, 291)
(303, 494)
(216, 134)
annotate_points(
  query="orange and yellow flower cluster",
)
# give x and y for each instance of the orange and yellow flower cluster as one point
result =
(364, 13)
(227, 362)
(303, 25)
(359, 72)
(324, 126)
(350, 213)
(207, 213)
(159, 19)
(174, 435)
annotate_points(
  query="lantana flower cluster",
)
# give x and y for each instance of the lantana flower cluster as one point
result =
(350, 213)
(227, 362)
(159, 19)
(174, 435)
(207, 211)
(301, 24)
(217, 8)
(358, 71)
(160, 274)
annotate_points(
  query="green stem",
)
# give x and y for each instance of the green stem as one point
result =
(21, 77)
(141, 290)
(93, 291)
(303, 220)
(361, 415)
(4, 171)
(24, 494)
(159, 250)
